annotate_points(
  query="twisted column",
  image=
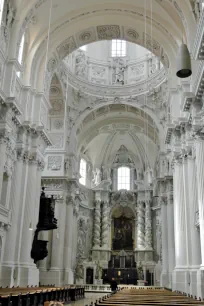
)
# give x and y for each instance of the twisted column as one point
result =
(105, 224)
(140, 226)
(97, 224)
(148, 226)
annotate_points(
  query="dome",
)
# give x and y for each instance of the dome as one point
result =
(115, 63)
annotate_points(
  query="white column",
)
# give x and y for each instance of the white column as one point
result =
(171, 242)
(3, 145)
(180, 275)
(97, 225)
(105, 227)
(192, 208)
(11, 243)
(179, 217)
(165, 253)
(75, 238)
(28, 216)
(199, 145)
(29, 275)
(68, 278)
(58, 238)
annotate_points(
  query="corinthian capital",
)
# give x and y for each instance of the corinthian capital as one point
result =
(69, 200)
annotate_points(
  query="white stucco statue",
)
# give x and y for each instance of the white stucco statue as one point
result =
(149, 176)
(96, 177)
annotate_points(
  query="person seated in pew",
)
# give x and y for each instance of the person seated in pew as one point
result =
(113, 284)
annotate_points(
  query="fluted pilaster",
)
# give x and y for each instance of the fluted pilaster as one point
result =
(140, 226)
(3, 146)
(165, 253)
(68, 235)
(199, 145)
(171, 240)
(192, 209)
(179, 216)
(97, 224)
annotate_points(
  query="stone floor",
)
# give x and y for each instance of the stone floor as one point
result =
(89, 297)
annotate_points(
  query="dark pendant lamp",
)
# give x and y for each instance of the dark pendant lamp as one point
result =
(183, 62)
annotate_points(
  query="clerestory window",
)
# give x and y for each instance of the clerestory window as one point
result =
(118, 48)
(1, 10)
(124, 178)
(84, 48)
(82, 172)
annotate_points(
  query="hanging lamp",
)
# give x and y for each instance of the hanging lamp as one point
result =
(183, 62)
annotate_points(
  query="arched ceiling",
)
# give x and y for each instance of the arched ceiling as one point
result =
(103, 131)
(79, 22)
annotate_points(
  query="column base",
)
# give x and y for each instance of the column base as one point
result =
(164, 279)
(181, 280)
(200, 283)
(68, 277)
(53, 276)
(8, 276)
(21, 276)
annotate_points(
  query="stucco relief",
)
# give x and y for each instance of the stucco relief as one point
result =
(54, 163)
(108, 32)
(83, 227)
(81, 68)
(66, 47)
(86, 36)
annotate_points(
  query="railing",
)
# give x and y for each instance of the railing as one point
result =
(98, 288)
(115, 71)
(107, 288)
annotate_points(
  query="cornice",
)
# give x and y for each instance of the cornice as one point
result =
(198, 51)
(198, 86)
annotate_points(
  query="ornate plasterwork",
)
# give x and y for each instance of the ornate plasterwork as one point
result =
(123, 198)
(83, 228)
(112, 91)
(66, 47)
(54, 163)
(70, 45)
(86, 36)
(106, 32)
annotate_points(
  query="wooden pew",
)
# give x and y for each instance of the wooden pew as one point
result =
(159, 297)
(37, 296)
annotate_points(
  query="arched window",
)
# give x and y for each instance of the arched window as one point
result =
(84, 48)
(20, 52)
(118, 48)
(82, 172)
(21, 48)
(124, 178)
(1, 10)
